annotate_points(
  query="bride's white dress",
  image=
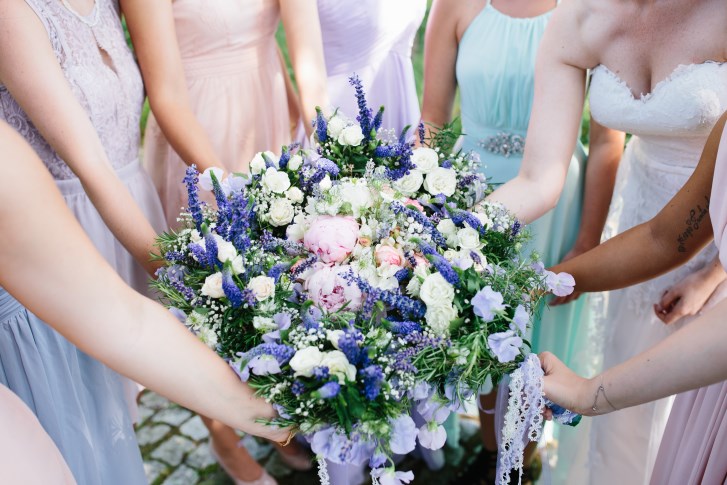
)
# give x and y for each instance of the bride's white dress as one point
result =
(670, 127)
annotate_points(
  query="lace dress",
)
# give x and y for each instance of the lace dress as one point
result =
(79, 401)
(236, 89)
(670, 127)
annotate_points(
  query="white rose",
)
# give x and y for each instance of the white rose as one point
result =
(262, 286)
(339, 366)
(281, 212)
(358, 195)
(295, 232)
(333, 336)
(325, 184)
(447, 227)
(295, 162)
(205, 180)
(238, 265)
(425, 159)
(225, 249)
(409, 184)
(257, 164)
(441, 181)
(305, 360)
(436, 291)
(450, 255)
(336, 126)
(264, 324)
(469, 239)
(413, 287)
(274, 181)
(439, 317)
(295, 195)
(351, 135)
(213, 286)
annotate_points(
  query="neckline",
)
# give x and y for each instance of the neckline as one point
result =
(677, 72)
(90, 19)
(510, 17)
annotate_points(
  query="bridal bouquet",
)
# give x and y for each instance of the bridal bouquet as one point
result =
(356, 282)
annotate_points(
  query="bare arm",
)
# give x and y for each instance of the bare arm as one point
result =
(604, 154)
(151, 25)
(690, 358)
(554, 120)
(305, 44)
(670, 239)
(440, 57)
(66, 282)
(30, 71)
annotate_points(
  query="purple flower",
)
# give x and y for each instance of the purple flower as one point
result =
(389, 476)
(377, 460)
(487, 302)
(297, 388)
(321, 126)
(505, 345)
(232, 291)
(433, 411)
(421, 391)
(432, 435)
(364, 112)
(329, 390)
(373, 377)
(178, 314)
(403, 434)
(191, 178)
(311, 317)
(405, 328)
(276, 271)
(282, 320)
(262, 365)
(420, 130)
(561, 284)
(520, 320)
(337, 448)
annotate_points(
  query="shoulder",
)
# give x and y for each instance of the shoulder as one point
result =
(455, 15)
(576, 30)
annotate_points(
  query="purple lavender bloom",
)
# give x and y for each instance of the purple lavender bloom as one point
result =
(174, 256)
(422, 219)
(191, 178)
(505, 345)
(224, 212)
(516, 227)
(364, 112)
(321, 126)
(420, 130)
(403, 434)
(329, 390)
(298, 388)
(487, 302)
(276, 271)
(232, 291)
(446, 164)
(302, 267)
(373, 377)
(378, 119)
(520, 320)
(405, 328)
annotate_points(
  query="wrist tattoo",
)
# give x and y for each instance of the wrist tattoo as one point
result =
(693, 223)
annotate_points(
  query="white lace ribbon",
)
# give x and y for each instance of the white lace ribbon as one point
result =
(523, 419)
(323, 471)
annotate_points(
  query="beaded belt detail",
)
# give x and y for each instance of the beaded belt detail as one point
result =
(505, 144)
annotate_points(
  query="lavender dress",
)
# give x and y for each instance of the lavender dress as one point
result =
(373, 39)
(694, 448)
(80, 402)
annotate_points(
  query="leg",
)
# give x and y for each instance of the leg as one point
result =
(235, 460)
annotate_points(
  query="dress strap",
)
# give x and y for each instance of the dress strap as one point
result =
(487, 3)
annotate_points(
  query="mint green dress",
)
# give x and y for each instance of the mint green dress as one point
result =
(495, 74)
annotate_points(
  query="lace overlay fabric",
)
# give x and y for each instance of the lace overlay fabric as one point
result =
(103, 76)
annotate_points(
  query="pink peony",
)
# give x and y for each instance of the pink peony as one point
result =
(388, 254)
(332, 238)
(328, 289)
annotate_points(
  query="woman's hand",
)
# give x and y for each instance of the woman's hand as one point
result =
(566, 388)
(689, 296)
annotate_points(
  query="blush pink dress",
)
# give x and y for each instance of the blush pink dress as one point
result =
(236, 88)
(694, 448)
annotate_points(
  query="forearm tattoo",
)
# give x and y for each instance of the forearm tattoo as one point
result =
(693, 223)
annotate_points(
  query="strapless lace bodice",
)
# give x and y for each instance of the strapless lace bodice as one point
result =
(110, 92)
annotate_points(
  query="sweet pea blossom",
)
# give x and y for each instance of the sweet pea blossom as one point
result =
(432, 435)
(520, 320)
(262, 365)
(389, 476)
(487, 302)
(331, 238)
(339, 449)
(403, 434)
(561, 284)
(505, 345)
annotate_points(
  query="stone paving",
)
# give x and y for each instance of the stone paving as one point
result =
(174, 445)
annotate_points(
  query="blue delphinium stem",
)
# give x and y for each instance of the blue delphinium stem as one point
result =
(321, 126)
(378, 119)
(232, 291)
(194, 205)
